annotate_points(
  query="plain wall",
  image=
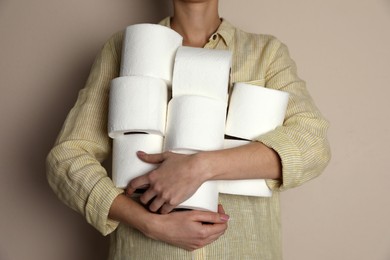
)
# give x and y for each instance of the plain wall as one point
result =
(342, 51)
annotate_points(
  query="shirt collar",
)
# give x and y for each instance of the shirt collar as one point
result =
(225, 29)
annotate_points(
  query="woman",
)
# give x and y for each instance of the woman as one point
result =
(287, 157)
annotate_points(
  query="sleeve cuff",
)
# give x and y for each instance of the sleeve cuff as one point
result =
(98, 206)
(291, 159)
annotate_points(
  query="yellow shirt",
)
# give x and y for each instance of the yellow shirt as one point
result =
(75, 173)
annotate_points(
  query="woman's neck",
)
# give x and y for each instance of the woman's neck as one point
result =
(196, 21)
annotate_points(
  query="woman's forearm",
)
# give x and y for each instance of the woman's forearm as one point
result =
(178, 176)
(129, 212)
(252, 161)
(183, 229)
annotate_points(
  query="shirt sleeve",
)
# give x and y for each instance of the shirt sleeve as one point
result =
(301, 142)
(74, 169)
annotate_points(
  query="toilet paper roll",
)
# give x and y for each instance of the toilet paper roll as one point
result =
(252, 187)
(195, 123)
(149, 50)
(203, 72)
(137, 104)
(255, 110)
(125, 163)
(205, 198)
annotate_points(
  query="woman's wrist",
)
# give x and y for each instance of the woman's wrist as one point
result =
(207, 164)
(252, 161)
(148, 224)
(129, 212)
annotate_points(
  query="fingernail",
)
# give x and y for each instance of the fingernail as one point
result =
(127, 194)
(141, 153)
(225, 217)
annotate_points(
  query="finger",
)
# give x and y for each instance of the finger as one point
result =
(214, 237)
(166, 208)
(215, 229)
(147, 196)
(150, 158)
(221, 209)
(211, 217)
(156, 204)
(129, 191)
(140, 182)
(213, 232)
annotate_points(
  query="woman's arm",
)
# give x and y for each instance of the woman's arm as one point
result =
(188, 172)
(74, 169)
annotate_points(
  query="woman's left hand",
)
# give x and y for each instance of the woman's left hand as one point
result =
(175, 180)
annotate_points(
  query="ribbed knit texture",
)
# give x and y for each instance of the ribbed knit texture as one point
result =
(75, 173)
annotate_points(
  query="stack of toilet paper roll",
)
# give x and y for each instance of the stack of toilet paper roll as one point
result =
(253, 111)
(138, 98)
(197, 111)
(141, 118)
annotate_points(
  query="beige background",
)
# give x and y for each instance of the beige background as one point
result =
(342, 51)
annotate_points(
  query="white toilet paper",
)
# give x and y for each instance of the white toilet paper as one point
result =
(195, 123)
(205, 198)
(255, 110)
(149, 50)
(253, 187)
(257, 188)
(125, 163)
(137, 104)
(203, 72)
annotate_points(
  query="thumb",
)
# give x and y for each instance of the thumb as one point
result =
(211, 217)
(150, 158)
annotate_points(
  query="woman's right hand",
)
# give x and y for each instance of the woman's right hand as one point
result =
(189, 230)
